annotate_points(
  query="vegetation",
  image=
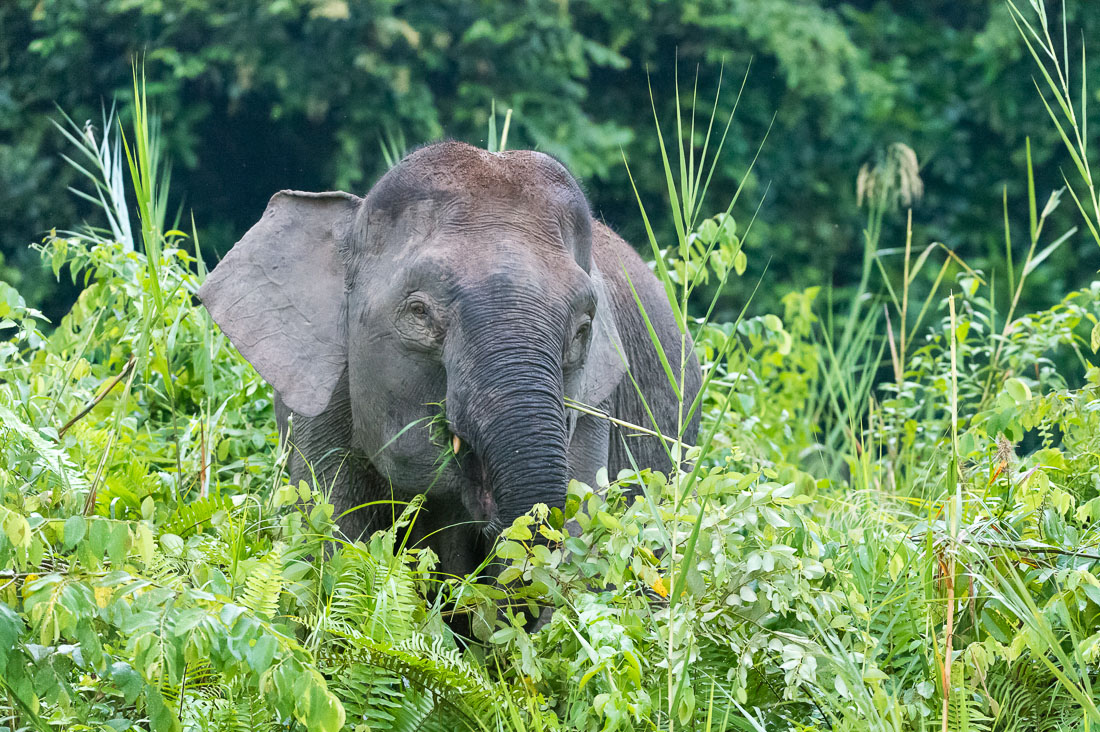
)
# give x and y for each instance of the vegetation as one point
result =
(890, 522)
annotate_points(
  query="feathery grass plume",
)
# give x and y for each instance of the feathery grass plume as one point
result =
(893, 180)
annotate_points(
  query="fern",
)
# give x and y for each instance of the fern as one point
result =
(1025, 697)
(247, 713)
(895, 623)
(264, 584)
(380, 699)
(189, 517)
(419, 680)
(387, 673)
(966, 709)
(200, 687)
(166, 571)
(127, 483)
(375, 593)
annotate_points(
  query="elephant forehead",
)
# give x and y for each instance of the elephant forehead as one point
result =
(499, 227)
(497, 259)
(473, 195)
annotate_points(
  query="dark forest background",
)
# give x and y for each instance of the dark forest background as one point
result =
(258, 96)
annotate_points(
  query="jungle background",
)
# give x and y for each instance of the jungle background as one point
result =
(260, 96)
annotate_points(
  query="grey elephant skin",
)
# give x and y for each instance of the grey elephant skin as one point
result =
(468, 283)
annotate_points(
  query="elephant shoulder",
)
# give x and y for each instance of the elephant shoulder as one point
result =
(622, 268)
(608, 248)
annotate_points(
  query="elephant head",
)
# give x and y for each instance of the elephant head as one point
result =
(464, 279)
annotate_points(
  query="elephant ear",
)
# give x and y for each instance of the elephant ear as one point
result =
(606, 362)
(279, 295)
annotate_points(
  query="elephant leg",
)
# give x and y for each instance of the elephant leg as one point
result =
(321, 455)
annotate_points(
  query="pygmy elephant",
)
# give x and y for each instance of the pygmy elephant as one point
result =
(456, 306)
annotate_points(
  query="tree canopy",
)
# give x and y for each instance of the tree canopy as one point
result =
(258, 96)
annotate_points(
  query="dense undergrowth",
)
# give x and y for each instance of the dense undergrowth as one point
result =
(892, 520)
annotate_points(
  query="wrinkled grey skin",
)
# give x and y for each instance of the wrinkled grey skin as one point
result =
(467, 278)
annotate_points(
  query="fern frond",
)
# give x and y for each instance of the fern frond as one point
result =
(966, 709)
(265, 584)
(419, 681)
(166, 571)
(375, 593)
(199, 680)
(189, 517)
(895, 624)
(247, 713)
(1026, 696)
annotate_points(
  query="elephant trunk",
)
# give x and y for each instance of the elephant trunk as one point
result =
(504, 398)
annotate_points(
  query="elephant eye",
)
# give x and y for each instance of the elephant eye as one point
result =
(578, 346)
(583, 333)
(418, 325)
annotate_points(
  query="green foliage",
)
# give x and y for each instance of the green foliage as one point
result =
(157, 572)
(297, 93)
(154, 579)
(738, 631)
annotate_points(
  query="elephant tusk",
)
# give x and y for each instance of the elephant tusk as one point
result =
(456, 443)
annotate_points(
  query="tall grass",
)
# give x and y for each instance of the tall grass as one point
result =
(1071, 117)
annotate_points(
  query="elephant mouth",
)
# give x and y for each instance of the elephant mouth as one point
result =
(477, 495)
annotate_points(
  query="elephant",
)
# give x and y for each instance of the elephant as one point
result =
(454, 308)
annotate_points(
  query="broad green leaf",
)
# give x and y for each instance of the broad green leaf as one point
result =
(75, 527)
(1018, 390)
(511, 550)
(16, 528)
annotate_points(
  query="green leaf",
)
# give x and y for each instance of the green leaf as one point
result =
(740, 262)
(118, 544)
(11, 626)
(1018, 390)
(161, 715)
(517, 532)
(1092, 592)
(127, 680)
(75, 528)
(260, 653)
(686, 708)
(317, 708)
(145, 542)
(1094, 340)
(509, 575)
(99, 531)
(172, 545)
(15, 527)
(503, 635)
(511, 550)
(608, 521)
